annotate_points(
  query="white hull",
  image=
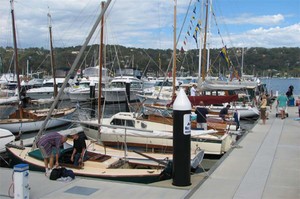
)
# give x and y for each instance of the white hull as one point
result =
(81, 96)
(150, 99)
(244, 112)
(118, 95)
(5, 137)
(45, 95)
(28, 125)
(209, 143)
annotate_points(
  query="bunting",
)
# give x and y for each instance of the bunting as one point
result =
(193, 27)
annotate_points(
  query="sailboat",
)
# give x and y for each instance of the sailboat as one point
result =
(139, 131)
(98, 165)
(27, 120)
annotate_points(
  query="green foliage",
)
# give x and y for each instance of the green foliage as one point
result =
(258, 61)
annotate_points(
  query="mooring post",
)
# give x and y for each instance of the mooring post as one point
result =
(182, 140)
(127, 96)
(92, 98)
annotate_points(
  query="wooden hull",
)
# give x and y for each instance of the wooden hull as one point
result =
(95, 169)
(34, 124)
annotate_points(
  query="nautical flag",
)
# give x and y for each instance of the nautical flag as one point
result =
(198, 24)
(193, 17)
(188, 33)
(184, 42)
(224, 54)
(194, 11)
(195, 37)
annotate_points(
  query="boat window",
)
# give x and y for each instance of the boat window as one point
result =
(117, 122)
(48, 84)
(136, 85)
(130, 123)
(117, 85)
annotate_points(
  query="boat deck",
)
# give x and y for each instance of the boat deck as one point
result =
(265, 165)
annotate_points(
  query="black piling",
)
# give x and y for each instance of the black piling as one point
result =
(181, 140)
(93, 100)
(127, 96)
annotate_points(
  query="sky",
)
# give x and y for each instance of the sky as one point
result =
(150, 23)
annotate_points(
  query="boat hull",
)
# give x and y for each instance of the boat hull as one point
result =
(90, 169)
(215, 145)
(29, 125)
(5, 137)
(118, 95)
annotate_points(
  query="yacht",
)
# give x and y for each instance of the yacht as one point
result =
(47, 90)
(116, 90)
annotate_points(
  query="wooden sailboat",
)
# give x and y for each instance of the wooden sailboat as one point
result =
(27, 120)
(98, 165)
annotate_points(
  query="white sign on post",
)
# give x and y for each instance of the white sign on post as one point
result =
(187, 124)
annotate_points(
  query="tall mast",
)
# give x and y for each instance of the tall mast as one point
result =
(242, 67)
(52, 57)
(16, 63)
(74, 65)
(203, 73)
(208, 31)
(174, 50)
(100, 65)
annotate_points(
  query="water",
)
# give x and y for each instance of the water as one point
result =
(281, 85)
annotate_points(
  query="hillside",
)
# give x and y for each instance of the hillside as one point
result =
(257, 61)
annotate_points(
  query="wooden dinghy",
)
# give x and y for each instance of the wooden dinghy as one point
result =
(133, 156)
(98, 165)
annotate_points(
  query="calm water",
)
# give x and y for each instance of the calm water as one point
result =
(282, 85)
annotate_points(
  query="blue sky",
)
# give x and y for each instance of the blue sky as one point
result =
(149, 23)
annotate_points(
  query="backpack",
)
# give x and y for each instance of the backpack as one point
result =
(61, 172)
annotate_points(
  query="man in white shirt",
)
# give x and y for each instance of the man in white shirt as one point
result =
(193, 90)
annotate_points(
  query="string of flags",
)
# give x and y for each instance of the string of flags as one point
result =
(193, 28)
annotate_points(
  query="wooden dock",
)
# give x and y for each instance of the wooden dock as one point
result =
(265, 165)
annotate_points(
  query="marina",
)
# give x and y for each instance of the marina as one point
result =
(264, 165)
(102, 120)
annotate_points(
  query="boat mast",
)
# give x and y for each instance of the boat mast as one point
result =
(100, 66)
(174, 50)
(203, 69)
(74, 65)
(242, 67)
(52, 57)
(16, 63)
(209, 38)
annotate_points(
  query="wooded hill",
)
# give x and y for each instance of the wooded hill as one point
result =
(257, 61)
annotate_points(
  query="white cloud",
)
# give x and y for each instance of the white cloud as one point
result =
(287, 36)
(144, 24)
(267, 20)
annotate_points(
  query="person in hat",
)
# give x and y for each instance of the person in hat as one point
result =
(79, 149)
(47, 144)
